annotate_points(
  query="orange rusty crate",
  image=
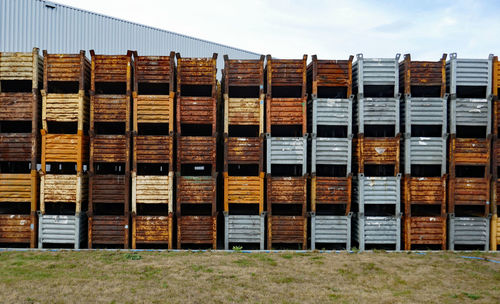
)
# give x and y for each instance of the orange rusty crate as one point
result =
(197, 230)
(154, 69)
(244, 190)
(18, 147)
(196, 190)
(109, 148)
(67, 68)
(196, 71)
(22, 67)
(425, 230)
(287, 190)
(65, 148)
(423, 74)
(330, 73)
(18, 228)
(241, 73)
(196, 150)
(153, 149)
(22, 106)
(108, 188)
(111, 68)
(286, 72)
(286, 230)
(109, 108)
(243, 150)
(470, 151)
(152, 189)
(470, 191)
(108, 230)
(152, 229)
(496, 76)
(62, 188)
(495, 220)
(377, 151)
(331, 190)
(196, 110)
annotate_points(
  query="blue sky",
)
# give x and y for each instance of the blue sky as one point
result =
(330, 29)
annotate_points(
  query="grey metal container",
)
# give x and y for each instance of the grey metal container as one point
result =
(244, 229)
(377, 230)
(375, 71)
(468, 72)
(62, 229)
(377, 111)
(332, 112)
(470, 112)
(468, 231)
(286, 151)
(424, 150)
(330, 229)
(377, 190)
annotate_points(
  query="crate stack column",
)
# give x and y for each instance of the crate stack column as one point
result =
(330, 121)
(153, 138)
(196, 151)
(469, 83)
(20, 78)
(243, 91)
(64, 180)
(110, 140)
(495, 221)
(286, 141)
(424, 120)
(377, 188)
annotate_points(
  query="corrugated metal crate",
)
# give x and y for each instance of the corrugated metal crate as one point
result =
(468, 231)
(331, 229)
(287, 229)
(62, 229)
(377, 190)
(18, 229)
(470, 112)
(331, 112)
(196, 230)
(377, 111)
(108, 230)
(286, 151)
(244, 229)
(423, 75)
(152, 229)
(469, 191)
(377, 151)
(469, 72)
(377, 230)
(375, 72)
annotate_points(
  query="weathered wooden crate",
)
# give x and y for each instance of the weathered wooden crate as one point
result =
(423, 74)
(19, 188)
(22, 66)
(243, 112)
(196, 71)
(470, 231)
(19, 147)
(62, 229)
(65, 108)
(152, 189)
(286, 229)
(196, 150)
(197, 230)
(469, 191)
(158, 109)
(152, 229)
(61, 188)
(244, 190)
(377, 151)
(66, 68)
(109, 108)
(18, 228)
(64, 148)
(111, 68)
(108, 188)
(108, 230)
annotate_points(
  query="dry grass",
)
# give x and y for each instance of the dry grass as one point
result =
(218, 277)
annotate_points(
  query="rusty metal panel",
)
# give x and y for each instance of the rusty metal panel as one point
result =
(17, 106)
(111, 68)
(65, 108)
(110, 148)
(244, 111)
(383, 190)
(152, 229)
(331, 73)
(196, 190)
(470, 112)
(197, 230)
(152, 189)
(331, 229)
(470, 151)
(108, 188)
(375, 71)
(286, 72)
(286, 151)
(16, 187)
(330, 151)
(244, 229)
(468, 231)
(67, 67)
(17, 228)
(286, 111)
(196, 71)
(22, 66)
(287, 230)
(108, 229)
(154, 108)
(495, 232)
(239, 72)
(469, 72)
(425, 190)
(244, 189)
(62, 229)
(425, 230)
(196, 110)
(377, 111)
(16, 146)
(287, 190)
(422, 73)
(330, 190)
(109, 108)
(153, 149)
(241, 150)
(469, 191)
(154, 69)
(377, 151)
(64, 148)
(376, 230)
(196, 149)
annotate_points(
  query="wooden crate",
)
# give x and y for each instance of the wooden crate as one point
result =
(111, 68)
(152, 229)
(19, 188)
(331, 190)
(22, 66)
(422, 74)
(377, 151)
(197, 230)
(151, 189)
(18, 147)
(108, 188)
(60, 188)
(65, 108)
(65, 148)
(469, 151)
(154, 109)
(109, 149)
(329, 73)
(244, 190)
(108, 230)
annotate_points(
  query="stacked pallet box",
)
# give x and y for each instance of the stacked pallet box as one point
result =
(196, 176)
(20, 78)
(424, 121)
(110, 142)
(153, 153)
(469, 86)
(64, 180)
(286, 142)
(243, 91)
(377, 188)
(330, 125)
(495, 221)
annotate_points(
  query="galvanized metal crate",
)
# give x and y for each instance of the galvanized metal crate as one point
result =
(330, 229)
(377, 230)
(468, 72)
(377, 111)
(375, 72)
(286, 151)
(468, 231)
(377, 190)
(470, 112)
(244, 229)
(62, 229)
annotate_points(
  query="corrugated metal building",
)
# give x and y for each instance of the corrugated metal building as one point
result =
(57, 28)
